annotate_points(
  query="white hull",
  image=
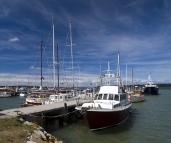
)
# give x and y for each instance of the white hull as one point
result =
(23, 94)
(5, 94)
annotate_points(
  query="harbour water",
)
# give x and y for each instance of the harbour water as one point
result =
(150, 122)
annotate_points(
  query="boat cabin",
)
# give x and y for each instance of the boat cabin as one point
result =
(116, 97)
(111, 93)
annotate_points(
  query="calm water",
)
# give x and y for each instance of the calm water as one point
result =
(150, 122)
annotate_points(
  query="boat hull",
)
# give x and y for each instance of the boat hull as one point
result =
(99, 119)
(5, 94)
(135, 99)
(151, 90)
(33, 103)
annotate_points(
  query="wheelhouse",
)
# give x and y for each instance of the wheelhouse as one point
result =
(116, 97)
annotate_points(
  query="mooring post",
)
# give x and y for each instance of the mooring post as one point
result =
(65, 108)
(65, 112)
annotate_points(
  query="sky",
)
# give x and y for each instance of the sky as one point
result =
(139, 30)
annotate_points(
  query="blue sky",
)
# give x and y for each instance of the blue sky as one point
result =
(140, 29)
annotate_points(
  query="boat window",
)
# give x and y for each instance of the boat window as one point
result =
(100, 96)
(116, 97)
(110, 97)
(104, 96)
(122, 97)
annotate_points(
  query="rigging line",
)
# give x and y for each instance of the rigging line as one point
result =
(64, 56)
(46, 46)
(44, 52)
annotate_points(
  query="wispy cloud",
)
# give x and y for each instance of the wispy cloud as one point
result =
(14, 39)
(140, 29)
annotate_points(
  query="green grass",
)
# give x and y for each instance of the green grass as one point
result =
(13, 131)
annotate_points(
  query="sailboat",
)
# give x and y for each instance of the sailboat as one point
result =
(39, 96)
(135, 95)
(150, 87)
(110, 107)
(63, 94)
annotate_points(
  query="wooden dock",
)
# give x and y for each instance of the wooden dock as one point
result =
(39, 109)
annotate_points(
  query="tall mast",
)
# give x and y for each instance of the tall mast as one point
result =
(132, 80)
(71, 54)
(57, 65)
(126, 76)
(41, 43)
(53, 55)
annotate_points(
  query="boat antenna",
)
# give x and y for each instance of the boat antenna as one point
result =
(118, 69)
(100, 74)
(150, 82)
(108, 71)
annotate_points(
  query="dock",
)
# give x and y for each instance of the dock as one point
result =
(58, 107)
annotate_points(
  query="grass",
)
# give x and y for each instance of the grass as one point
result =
(12, 131)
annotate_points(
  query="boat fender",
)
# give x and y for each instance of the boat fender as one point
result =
(129, 97)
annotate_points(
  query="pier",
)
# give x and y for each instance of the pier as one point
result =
(58, 108)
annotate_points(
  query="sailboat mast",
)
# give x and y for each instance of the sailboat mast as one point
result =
(132, 80)
(126, 76)
(41, 43)
(57, 65)
(71, 54)
(53, 55)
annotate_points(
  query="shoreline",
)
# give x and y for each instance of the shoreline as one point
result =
(19, 130)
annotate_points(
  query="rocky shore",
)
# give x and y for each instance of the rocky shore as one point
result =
(20, 131)
(39, 135)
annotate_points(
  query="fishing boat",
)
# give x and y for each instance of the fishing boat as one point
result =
(150, 87)
(110, 107)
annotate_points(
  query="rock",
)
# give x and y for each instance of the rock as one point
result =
(40, 133)
(45, 133)
(41, 129)
(29, 134)
(28, 123)
(36, 138)
(32, 124)
(21, 120)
